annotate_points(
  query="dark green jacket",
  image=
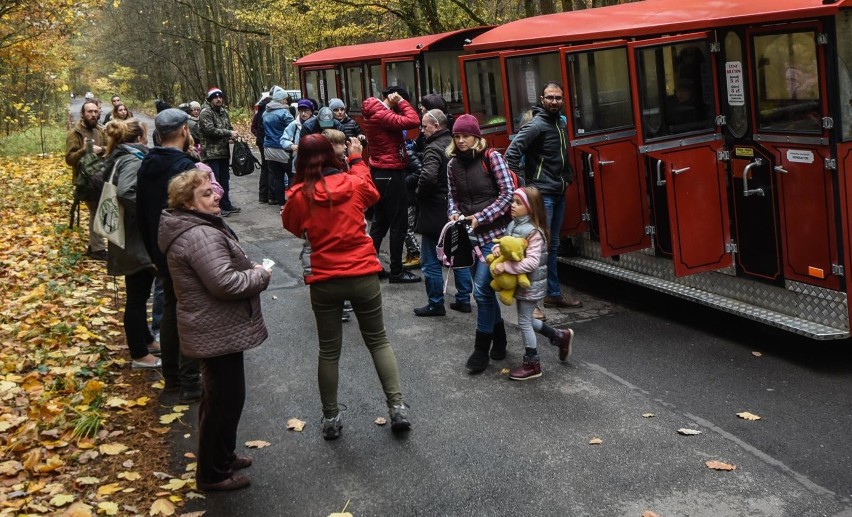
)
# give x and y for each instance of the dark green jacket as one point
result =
(215, 132)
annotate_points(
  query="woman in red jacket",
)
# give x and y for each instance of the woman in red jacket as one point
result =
(325, 207)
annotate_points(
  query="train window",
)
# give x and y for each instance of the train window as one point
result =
(788, 97)
(844, 68)
(401, 73)
(735, 88)
(321, 85)
(376, 85)
(442, 77)
(676, 89)
(485, 90)
(354, 88)
(600, 90)
(525, 77)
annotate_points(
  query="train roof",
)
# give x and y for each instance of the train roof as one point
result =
(645, 18)
(386, 49)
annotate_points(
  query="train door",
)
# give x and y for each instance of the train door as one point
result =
(611, 198)
(321, 84)
(676, 88)
(843, 105)
(483, 83)
(792, 128)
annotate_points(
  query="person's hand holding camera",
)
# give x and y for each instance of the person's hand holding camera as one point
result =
(353, 145)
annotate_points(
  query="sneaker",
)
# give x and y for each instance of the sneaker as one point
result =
(224, 213)
(531, 369)
(399, 418)
(430, 310)
(537, 314)
(461, 307)
(331, 427)
(346, 316)
(347, 306)
(383, 274)
(406, 277)
(563, 340)
(235, 210)
(412, 263)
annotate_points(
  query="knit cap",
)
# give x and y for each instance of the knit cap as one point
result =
(213, 92)
(305, 104)
(277, 93)
(467, 125)
(336, 103)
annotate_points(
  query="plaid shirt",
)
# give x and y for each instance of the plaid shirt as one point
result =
(500, 206)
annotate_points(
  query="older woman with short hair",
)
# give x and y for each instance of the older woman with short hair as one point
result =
(218, 310)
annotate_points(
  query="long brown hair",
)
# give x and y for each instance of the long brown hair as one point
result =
(315, 155)
(123, 132)
(537, 212)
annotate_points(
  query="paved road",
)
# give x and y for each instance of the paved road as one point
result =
(483, 445)
(76, 104)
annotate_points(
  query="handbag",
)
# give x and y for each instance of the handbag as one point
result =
(109, 220)
(454, 248)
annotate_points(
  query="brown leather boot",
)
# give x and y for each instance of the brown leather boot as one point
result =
(529, 370)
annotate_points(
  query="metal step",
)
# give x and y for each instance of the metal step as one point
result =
(776, 319)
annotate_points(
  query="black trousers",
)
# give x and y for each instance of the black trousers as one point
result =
(179, 371)
(390, 213)
(219, 415)
(264, 193)
(277, 180)
(136, 330)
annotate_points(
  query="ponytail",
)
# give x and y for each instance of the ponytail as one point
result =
(124, 131)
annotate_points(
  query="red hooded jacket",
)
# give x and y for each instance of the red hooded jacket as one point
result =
(383, 127)
(336, 241)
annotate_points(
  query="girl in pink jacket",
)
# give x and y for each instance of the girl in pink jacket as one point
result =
(529, 222)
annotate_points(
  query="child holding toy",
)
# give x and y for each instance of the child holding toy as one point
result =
(529, 222)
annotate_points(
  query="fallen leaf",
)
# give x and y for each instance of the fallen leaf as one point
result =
(756, 354)
(61, 499)
(688, 432)
(595, 441)
(258, 444)
(274, 297)
(193, 514)
(159, 385)
(108, 508)
(109, 489)
(111, 449)
(162, 507)
(718, 465)
(180, 408)
(10, 467)
(649, 513)
(190, 455)
(648, 415)
(89, 480)
(174, 484)
(381, 420)
(504, 371)
(169, 418)
(745, 415)
(78, 509)
(130, 476)
(295, 424)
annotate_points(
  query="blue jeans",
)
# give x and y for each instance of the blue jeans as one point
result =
(555, 208)
(487, 308)
(222, 171)
(433, 274)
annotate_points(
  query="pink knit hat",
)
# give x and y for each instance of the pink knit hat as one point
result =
(467, 125)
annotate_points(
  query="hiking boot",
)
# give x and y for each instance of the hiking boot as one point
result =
(240, 462)
(431, 310)
(498, 349)
(478, 360)
(406, 277)
(529, 370)
(412, 263)
(461, 307)
(331, 427)
(399, 418)
(563, 340)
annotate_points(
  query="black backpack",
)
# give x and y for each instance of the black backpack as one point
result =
(243, 161)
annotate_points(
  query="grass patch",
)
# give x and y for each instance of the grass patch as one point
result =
(33, 141)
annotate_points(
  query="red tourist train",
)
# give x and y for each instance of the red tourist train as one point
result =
(711, 140)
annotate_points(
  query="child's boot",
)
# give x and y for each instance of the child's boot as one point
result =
(498, 349)
(529, 370)
(478, 360)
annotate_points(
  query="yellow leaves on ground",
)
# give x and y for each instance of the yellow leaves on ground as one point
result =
(343, 512)
(61, 500)
(718, 465)
(294, 424)
(174, 484)
(688, 432)
(745, 415)
(129, 476)
(595, 441)
(162, 507)
(381, 420)
(109, 489)
(648, 415)
(257, 444)
(108, 508)
(111, 449)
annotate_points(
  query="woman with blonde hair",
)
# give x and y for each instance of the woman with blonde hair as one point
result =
(125, 150)
(218, 315)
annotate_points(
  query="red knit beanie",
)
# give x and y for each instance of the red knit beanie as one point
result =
(467, 125)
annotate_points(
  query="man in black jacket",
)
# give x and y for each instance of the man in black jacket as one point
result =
(543, 144)
(159, 166)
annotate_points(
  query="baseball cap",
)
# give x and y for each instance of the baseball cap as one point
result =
(325, 118)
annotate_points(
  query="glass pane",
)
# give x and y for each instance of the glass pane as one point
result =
(312, 81)
(321, 85)
(355, 86)
(787, 82)
(402, 74)
(844, 62)
(442, 77)
(600, 85)
(735, 87)
(526, 76)
(676, 89)
(485, 91)
(376, 85)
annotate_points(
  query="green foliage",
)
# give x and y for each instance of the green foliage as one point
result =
(35, 140)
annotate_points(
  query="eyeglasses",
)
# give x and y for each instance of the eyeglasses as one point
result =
(553, 98)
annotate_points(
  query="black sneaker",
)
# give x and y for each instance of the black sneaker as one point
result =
(383, 274)
(461, 307)
(399, 418)
(190, 394)
(406, 277)
(235, 210)
(430, 310)
(331, 427)
(224, 213)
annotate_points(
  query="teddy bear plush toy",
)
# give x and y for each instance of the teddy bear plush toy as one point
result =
(504, 284)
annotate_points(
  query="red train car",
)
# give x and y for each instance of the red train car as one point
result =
(712, 141)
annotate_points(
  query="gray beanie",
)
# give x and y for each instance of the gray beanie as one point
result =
(336, 104)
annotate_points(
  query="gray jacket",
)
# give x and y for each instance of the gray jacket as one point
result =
(126, 159)
(217, 286)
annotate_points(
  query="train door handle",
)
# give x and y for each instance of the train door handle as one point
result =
(660, 180)
(605, 162)
(675, 172)
(746, 171)
(589, 163)
(780, 169)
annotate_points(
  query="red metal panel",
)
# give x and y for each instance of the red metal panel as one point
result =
(645, 18)
(844, 158)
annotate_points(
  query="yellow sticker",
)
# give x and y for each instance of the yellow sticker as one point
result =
(744, 152)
